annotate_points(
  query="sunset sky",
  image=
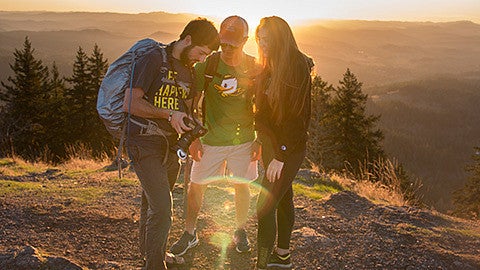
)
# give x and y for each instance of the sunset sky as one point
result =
(293, 10)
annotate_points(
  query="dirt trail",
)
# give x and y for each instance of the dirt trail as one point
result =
(344, 231)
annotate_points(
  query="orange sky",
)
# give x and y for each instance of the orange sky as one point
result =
(294, 11)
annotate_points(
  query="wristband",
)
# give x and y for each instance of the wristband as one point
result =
(170, 116)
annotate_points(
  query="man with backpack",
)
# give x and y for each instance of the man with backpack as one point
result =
(228, 150)
(158, 99)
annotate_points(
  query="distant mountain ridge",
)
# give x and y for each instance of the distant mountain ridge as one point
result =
(378, 52)
(56, 36)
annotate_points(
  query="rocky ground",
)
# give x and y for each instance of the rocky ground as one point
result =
(62, 219)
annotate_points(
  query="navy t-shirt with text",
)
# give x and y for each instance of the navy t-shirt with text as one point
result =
(167, 90)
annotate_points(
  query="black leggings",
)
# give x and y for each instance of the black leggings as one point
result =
(275, 210)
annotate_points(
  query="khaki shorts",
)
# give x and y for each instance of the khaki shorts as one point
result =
(225, 162)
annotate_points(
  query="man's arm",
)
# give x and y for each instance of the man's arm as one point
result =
(142, 108)
(196, 148)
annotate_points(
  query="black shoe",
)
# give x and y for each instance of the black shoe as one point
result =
(241, 241)
(186, 242)
(282, 261)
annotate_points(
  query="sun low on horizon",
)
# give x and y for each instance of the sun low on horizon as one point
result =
(293, 11)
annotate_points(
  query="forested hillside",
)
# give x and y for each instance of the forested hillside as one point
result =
(431, 126)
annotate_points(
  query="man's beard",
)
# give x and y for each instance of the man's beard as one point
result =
(184, 56)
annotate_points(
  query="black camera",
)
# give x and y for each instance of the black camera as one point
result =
(197, 131)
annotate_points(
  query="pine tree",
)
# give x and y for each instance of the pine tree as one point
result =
(24, 95)
(467, 198)
(97, 67)
(356, 139)
(87, 128)
(57, 123)
(77, 98)
(320, 150)
(57, 84)
(98, 137)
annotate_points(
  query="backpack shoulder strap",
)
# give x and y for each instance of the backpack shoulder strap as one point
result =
(209, 73)
(211, 69)
(163, 51)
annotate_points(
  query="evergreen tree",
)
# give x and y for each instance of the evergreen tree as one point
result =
(24, 94)
(57, 123)
(356, 140)
(57, 85)
(319, 145)
(87, 128)
(340, 132)
(467, 198)
(77, 98)
(97, 136)
(97, 67)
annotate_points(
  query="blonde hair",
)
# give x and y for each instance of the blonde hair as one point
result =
(286, 64)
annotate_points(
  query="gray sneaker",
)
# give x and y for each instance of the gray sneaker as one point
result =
(186, 242)
(241, 241)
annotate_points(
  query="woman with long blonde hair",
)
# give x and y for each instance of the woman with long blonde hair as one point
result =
(282, 119)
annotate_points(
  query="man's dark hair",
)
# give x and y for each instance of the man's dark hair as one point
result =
(202, 32)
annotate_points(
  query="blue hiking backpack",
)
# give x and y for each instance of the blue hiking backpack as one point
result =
(118, 79)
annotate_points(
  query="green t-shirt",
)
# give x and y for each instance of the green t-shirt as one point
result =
(228, 104)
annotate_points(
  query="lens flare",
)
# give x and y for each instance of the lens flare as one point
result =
(220, 198)
(221, 240)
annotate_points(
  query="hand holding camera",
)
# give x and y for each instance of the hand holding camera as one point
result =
(177, 120)
(196, 130)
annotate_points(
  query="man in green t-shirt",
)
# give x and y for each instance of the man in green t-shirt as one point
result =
(228, 150)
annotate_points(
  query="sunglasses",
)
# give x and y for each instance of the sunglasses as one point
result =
(229, 46)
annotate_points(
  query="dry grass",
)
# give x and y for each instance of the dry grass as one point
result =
(376, 192)
(385, 181)
(379, 193)
(385, 190)
(80, 158)
(15, 166)
(79, 164)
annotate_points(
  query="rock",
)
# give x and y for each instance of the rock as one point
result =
(349, 204)
(59, 263)
(29, 258)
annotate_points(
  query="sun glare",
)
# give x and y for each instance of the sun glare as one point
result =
(294, 12)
